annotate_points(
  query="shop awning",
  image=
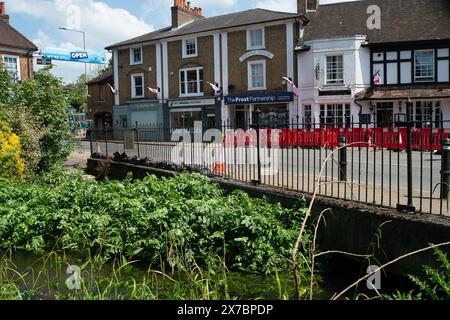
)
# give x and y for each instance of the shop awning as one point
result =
(405, 92)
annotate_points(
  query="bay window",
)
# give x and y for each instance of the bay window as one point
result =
(335, 69)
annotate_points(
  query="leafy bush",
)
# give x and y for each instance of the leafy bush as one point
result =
(178, 220)
(36, 110)
(435, 285)
(11, 165)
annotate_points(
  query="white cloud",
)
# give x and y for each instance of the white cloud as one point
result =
(278, 5)
(103, 25)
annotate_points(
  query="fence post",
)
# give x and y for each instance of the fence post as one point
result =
(90, 140)
(258, 150)
(137, 141)
(445, 172)
(410, 205)
(342, 159)
(106, 140)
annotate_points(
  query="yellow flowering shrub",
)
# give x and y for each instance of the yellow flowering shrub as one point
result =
(11, 163)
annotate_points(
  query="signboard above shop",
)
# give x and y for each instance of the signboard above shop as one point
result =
(260, 98)
(75, 56)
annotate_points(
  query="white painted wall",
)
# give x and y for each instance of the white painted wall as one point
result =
(356, 73)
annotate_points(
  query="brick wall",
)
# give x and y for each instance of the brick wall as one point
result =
(126, 70)
(204, 59)
(275, 41)
(95, 103)
(26, 64)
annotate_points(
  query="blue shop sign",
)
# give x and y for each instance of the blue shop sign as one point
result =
(260, 98)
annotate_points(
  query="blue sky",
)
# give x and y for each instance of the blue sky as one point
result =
(109, 21)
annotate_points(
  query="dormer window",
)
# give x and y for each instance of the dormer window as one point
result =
(190, 48)
(136, 56)
(255, 39)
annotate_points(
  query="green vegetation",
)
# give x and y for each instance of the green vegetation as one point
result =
(36, 111)
(435, 285)
(184, 226)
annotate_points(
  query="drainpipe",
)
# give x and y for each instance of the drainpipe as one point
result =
(28, 62)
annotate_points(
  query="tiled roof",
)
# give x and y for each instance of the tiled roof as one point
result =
(10, 37)
(401, 20)
(405, 92)
(104, 77)
(237, 19)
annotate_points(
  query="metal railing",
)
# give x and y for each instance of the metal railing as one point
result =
(397, 166)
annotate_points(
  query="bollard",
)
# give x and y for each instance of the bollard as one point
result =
(445, 169)
(342, 159)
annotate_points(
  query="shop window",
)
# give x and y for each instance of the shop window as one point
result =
(335, 115)
(424, 114)
(185, 119)
(385, 114)
(307, 117)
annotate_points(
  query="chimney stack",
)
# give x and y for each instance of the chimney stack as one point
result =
(183, 12)
(3, 14)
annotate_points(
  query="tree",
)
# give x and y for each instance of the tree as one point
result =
(77, 93)
(36, 110)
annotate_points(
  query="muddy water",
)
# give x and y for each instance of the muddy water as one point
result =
(43, 276)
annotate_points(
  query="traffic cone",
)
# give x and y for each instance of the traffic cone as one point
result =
(370, 146)
(219, 168)
(99, 150)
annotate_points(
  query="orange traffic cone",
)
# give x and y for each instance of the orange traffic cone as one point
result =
(370, 146)
(219, 168)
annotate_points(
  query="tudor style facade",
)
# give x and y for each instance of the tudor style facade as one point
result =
(245, 54)
(16, 51)
(348, 71)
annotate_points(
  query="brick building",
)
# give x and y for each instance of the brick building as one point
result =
(101, 100)
(245, 54)
(16, 51)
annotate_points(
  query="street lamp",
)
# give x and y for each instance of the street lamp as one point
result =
(84, 48)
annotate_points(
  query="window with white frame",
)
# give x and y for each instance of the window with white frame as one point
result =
(137, 85)
(307, 117)
(335, 115)
(257, 75)
(136, 56)
(190, 48)
(191, 82)
(12, 66)
(255, 39)
(335, 69)
(424, 65)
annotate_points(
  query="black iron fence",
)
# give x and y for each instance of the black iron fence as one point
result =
(404, 165)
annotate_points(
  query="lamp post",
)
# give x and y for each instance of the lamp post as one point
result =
(84, 48)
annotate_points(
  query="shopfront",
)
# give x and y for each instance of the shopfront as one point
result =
(184, 113)
(273, 109)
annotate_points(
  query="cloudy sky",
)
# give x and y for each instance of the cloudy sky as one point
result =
(109, 21)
